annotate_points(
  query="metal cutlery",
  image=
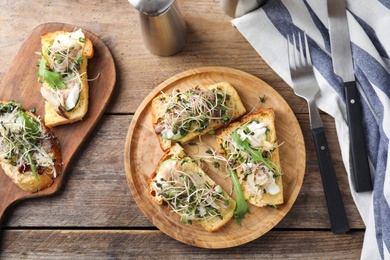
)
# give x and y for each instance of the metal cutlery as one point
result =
(306, 86)
(343, 67)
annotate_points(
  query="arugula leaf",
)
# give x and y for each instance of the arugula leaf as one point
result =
(256, 155)
(241, 205)
(54, 79)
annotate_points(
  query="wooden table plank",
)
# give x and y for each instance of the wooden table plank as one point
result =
(153, 244)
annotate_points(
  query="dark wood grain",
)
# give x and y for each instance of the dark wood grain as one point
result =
(21, 85)
(153, 244)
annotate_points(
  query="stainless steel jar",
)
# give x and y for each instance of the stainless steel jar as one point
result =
(163, 28)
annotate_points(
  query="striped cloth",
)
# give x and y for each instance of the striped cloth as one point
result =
(369, 20)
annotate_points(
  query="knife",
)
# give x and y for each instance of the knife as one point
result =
(343, 67)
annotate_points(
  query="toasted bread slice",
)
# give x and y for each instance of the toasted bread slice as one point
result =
(56, 113)
(200, 110)
(29, 153)
(261, 185)
(176, 177)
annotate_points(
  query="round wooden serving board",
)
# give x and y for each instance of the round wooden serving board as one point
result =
(142, 153)
(21, 85)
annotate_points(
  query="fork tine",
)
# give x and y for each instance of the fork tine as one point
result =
(302, 60)
(296, 60)
(308, 57)
(298, 52)
(291, 61)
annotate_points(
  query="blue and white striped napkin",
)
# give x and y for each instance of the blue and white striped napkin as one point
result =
(266, 29)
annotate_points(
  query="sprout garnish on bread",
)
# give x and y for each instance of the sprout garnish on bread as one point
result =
(29, 153)
(189, 191)
(183, 115)
(251, 149)
(63, 70)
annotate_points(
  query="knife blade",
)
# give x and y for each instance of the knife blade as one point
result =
(343, 67)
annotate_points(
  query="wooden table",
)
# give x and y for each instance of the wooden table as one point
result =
(94, 214)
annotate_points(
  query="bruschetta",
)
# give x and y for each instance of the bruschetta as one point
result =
(180, 182)
(63, 72)
(29, 152)
(251, 148)
(180, 116)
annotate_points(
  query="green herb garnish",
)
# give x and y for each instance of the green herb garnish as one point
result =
(54, 79)
(256, 155)
(21, 134)
(241, 205)
(262, 99)
(194, 110)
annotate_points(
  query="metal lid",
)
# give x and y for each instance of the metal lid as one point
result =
(151, 7)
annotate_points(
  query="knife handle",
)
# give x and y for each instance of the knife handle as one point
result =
(360, 170)
(334, 201)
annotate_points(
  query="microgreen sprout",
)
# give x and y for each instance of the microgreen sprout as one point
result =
(21, 138)
(59, 67)
(262, 99)
(193, 111)
(190, 196)
(225, 169)
(256, 155)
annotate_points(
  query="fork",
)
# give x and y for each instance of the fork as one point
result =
(305, 85)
